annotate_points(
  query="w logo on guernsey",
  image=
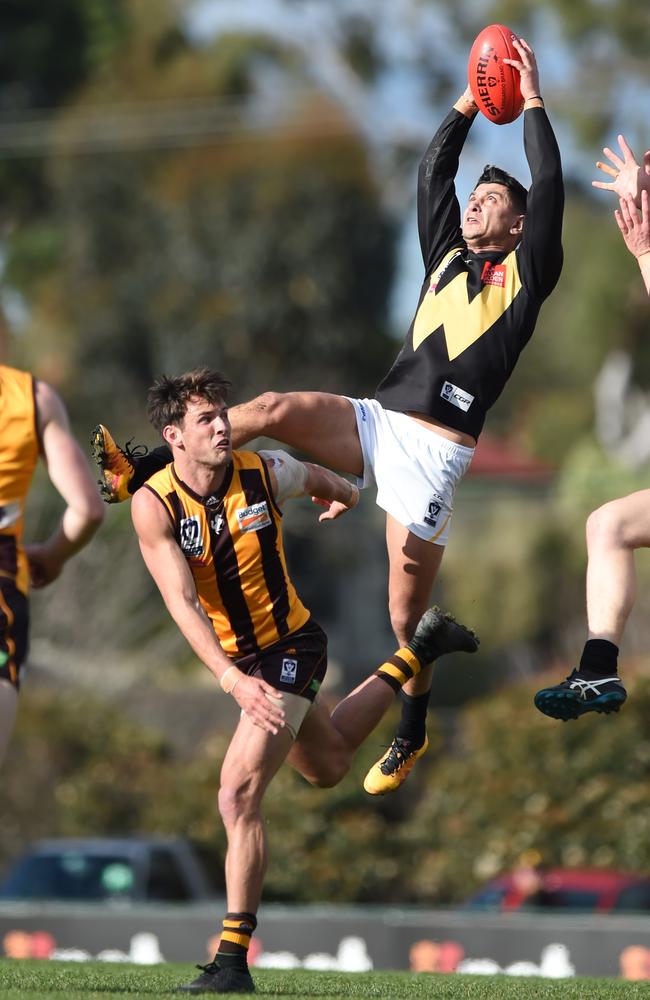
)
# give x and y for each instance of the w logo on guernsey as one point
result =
(254, 517)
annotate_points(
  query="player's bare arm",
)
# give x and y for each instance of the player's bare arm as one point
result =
(168, 567)
(292, 478)
(635, 229)
(70, 474)
(628, 178)
(328, 490)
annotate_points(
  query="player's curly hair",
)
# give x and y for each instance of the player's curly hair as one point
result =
(167, 398)
(495, 175)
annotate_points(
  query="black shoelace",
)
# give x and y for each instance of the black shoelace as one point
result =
(397, 756)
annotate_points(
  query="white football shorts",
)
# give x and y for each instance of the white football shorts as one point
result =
(415, 469)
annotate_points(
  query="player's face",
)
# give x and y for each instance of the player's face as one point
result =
(490, 221)
(205, 433)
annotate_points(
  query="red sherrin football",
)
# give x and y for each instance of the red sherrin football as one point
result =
(494, 84)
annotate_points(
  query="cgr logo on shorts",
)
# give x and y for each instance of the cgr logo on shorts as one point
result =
(190, 536)
(289, 671)
(457, 397)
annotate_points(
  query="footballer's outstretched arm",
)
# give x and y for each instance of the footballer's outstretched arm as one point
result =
(292, 478)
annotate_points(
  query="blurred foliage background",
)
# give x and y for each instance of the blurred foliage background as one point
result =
(176, 196)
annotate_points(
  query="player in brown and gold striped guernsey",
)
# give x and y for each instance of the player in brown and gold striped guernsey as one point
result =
(209, 527)
(33, 424)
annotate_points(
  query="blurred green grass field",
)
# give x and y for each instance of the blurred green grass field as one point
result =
(29, 980)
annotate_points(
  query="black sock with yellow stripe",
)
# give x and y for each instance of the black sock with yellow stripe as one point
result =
(402, 665)
(235, 938)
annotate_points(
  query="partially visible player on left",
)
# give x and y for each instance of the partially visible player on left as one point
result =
(34, 423)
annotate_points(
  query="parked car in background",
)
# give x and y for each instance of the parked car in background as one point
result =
(113, 869)
(580, 889)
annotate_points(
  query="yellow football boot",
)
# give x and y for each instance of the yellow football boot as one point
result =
(114, 463)
(394, 767)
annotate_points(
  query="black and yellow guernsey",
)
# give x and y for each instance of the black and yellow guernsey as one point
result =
(232, 541)
(476, 311)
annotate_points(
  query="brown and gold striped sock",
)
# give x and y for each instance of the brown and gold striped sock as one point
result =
(235, 939)
(402, 665)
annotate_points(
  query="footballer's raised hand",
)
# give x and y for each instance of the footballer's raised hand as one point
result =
(628, 178)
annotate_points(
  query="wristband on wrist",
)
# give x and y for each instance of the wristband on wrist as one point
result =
(229, 688)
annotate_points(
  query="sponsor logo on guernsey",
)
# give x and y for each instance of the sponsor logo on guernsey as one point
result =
(191, 540)
(434, 508)
(289, 671)
(254, 518)
(456, 396)
(494, 274)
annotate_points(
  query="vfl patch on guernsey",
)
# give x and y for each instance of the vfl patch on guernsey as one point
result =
(191, 540)
(494, 274)
(456, 396)
(289, 671)
(254, 518)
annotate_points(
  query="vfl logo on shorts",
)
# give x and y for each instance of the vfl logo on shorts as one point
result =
(457, 397)
(434, 507)
(254, 518)
(190, 532)
(289, 671)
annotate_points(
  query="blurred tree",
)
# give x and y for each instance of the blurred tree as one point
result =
(155, 261)
(49, 51)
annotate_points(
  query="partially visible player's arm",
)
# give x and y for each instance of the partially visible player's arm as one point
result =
(635, 230)
(291, 478)
(629, 179)
(70, 474)
(168, 567)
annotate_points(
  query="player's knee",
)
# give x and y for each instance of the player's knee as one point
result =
(605, 527)
(235, 799)
(403, 620)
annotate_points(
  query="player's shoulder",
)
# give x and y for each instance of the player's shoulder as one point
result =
(148, 511)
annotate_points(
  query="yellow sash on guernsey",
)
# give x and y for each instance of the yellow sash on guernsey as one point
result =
(464, 322)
